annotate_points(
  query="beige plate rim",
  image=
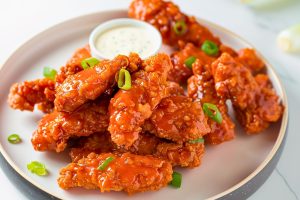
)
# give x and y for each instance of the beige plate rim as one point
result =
(276, 146)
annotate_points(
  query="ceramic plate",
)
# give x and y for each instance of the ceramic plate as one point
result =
(231, 170)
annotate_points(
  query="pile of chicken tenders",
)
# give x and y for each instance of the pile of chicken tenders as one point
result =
(129, 139)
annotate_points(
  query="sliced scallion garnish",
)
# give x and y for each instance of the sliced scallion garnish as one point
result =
(105, 163)
(176, 180)
(212, 111)
(196, 141)
(189, 61)
(37, 168)
(124, 79)
(180, 27)
(14, 138)
(50, 73)
(210, 48)
(89, 62)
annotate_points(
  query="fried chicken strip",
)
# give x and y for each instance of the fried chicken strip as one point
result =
(25, 95)
(73, 65)
(179, 119)
(180, 73)
(127, 172)
(88, 84)
(201, 86)
(165, 15)
(250, 60)
(184, 155)
(56, 128)
(129, 109)
(253, 98)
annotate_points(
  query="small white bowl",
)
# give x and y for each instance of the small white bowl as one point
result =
(153, 34)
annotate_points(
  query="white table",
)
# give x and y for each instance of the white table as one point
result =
(21, 20)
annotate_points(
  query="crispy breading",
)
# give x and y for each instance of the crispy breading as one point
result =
(126, 172)
(129, 109)
(179, 119)
(201, 86)
(253, 98)
(27, 94)
(56, 128)
(164, 15)
(184, 155)
(73, 65)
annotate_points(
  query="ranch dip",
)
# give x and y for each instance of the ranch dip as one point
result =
(125, 39)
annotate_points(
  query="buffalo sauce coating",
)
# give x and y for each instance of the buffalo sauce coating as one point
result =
(87, 84)
(180, 73)
(179, 119)
(253, 98)
(184, 155)
(129, 109)
(250, 60)
(164, 15)
(56, 128)
(25, 95)
(201, 86)
(73, 65)
(128, 172)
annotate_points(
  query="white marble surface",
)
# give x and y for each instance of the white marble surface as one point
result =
(20, 20)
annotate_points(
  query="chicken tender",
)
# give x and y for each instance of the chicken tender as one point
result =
(180, 73)
(129, 109)
(126, 172)
(56, 128)
(88, 84)
(73, 65)
(254, 100)
(168, 19)
(25, 95)
(184, 155)
(250, 60)
(179, 119)
(201, 86)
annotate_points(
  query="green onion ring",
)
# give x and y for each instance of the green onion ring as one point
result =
(105, 163)
(37, 168)
(210, 48)
(14, 138)
(124, 79)
(89, 62)
(50, 73)
(176, 180)
(213, 112)
(180, 27)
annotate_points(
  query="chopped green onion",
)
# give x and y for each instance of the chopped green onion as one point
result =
(189, 61)
(14, 138)
(124, 79)
(89, 62)
(49, 73)
(213, 112)
(289, 40)
(180, 28)
(37, 168)
(210, 48)
(176, 180)
(199, 140)
(106, 162)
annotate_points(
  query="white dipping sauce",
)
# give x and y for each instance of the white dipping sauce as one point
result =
(123, 40)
